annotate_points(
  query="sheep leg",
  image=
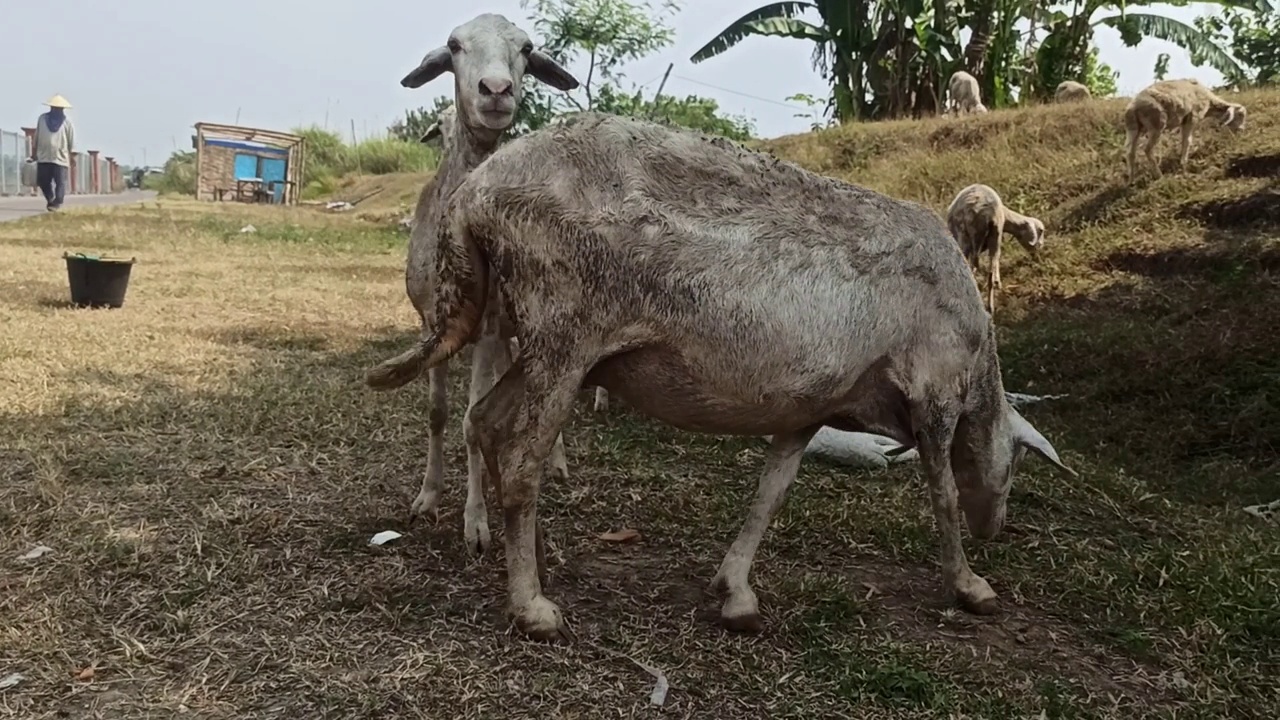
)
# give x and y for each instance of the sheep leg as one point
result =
(428, 500)
(991, 286)
(1153, 140)
(1187, 127)
(741, 610)
(602, 400)
(558, 463)
(475, 517)
(937, 426)
(516, 424)
(1131, 151)
(995, 263)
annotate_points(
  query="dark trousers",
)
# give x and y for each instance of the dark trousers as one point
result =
(52, 179)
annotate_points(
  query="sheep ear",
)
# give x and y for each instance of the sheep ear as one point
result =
(433, 64)
(432, 132)
(549, 71)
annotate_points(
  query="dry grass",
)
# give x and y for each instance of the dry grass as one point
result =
(208, 469)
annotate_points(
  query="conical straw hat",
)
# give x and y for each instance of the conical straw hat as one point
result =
(57, 101)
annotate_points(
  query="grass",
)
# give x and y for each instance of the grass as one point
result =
(208, 469)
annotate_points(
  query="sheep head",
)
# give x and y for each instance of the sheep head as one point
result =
(1028, 231)
(1233, 116)
(986, 452)
(990, 441)
(489, 56)
(442, 128)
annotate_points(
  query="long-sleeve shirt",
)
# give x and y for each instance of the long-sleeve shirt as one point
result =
(54, 147)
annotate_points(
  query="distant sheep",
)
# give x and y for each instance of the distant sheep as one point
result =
(977, 218)
(1070, 91)
(1169, 104)
(442, 128)
(963, 94)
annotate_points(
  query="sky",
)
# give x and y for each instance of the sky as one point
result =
(140, 73)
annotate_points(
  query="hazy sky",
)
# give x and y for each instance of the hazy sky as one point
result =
(139, 73)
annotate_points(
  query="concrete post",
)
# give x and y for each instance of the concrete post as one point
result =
(95, 174)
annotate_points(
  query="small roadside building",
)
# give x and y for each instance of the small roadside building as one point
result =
(247, 164)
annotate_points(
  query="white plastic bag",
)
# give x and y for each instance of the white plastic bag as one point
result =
(29, 173)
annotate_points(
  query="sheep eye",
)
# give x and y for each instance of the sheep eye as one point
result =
(528, 48)
(454, 45)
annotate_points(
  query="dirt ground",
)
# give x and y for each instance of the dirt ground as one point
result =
(208, 468)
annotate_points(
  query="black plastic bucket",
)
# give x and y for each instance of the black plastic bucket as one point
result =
(97, 281)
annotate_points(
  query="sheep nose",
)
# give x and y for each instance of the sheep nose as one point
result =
(495, 86)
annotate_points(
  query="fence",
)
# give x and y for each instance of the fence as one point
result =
(89, 173)
(11, 156)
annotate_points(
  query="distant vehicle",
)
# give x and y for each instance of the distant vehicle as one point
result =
(136, 177)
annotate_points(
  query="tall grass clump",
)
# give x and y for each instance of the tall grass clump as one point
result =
(329, 159)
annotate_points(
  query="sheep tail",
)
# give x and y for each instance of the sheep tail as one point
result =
(461, 292)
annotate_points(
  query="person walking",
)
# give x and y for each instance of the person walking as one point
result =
(55, 142)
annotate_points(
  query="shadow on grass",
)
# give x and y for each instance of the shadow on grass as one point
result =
(1180, 368)
(1094, 209)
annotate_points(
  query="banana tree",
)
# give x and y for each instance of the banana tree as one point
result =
(841, 38)
(1063, 52)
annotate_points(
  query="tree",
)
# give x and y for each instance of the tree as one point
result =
(841, 38)
(694, 112)
(607, 34)
(889, 58)
(1253, 38)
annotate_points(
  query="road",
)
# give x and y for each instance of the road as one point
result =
(12, 208)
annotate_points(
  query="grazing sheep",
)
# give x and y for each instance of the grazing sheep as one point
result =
(963, 95)
(718, 290)
(488, 57)
(977, 218)
(1168, 104)
(1070, 91)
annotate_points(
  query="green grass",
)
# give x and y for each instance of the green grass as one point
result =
(209, 467)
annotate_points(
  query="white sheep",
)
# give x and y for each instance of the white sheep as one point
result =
(977, 218)
(1172, 104)
(1070, 91)
(963, 94)
(719, 290)
(488, 57)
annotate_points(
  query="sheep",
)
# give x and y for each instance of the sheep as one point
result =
(1168, 104)
(718, 290)
(1070, 91)
(488, 57)
(977, 218)
(442, 128)
(963, 95)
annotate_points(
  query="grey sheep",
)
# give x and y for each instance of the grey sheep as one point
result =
(718, 290)
(488, 57)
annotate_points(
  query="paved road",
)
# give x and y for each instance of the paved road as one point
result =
(12, 208)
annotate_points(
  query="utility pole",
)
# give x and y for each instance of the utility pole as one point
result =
(661, 85)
